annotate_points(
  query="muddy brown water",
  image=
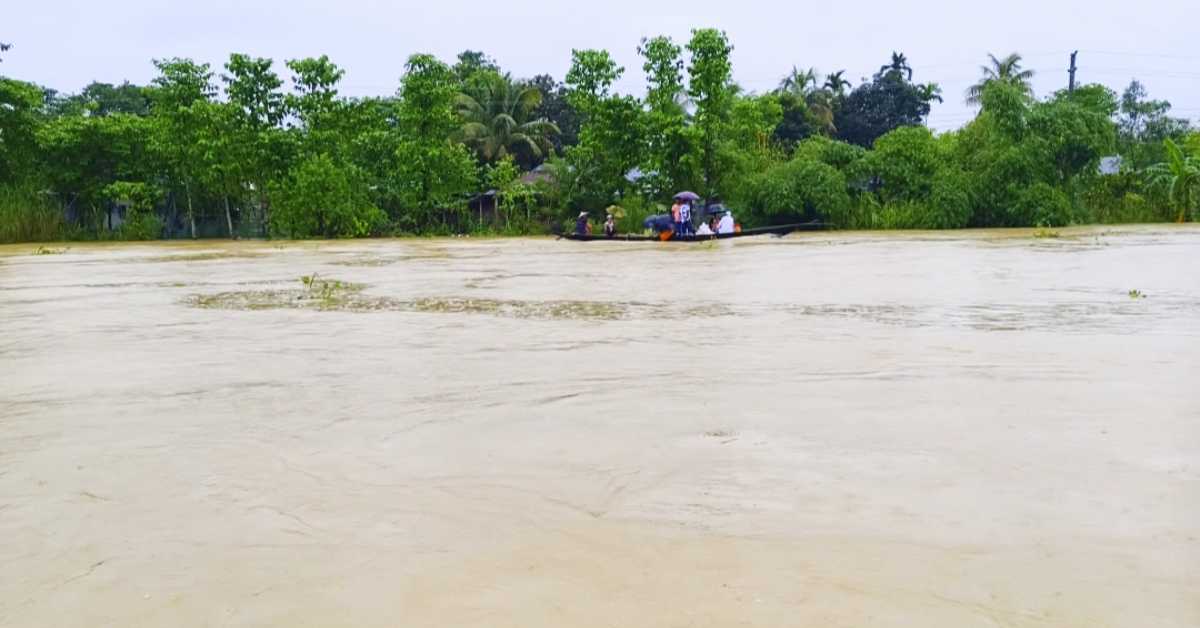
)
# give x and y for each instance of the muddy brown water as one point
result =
(968, 429)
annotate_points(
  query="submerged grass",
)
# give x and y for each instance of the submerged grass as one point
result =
(1046, 232)
(323, 294)
(200, 257)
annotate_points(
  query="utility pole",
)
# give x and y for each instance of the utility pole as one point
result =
(1071, 86)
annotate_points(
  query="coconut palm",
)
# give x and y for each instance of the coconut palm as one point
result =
(497, 120)
(930, 92)
(1007, 70)
(798, 82)
(837, 84)
(899, 66)
(1179, 175)
(820, 105)
(819, 101)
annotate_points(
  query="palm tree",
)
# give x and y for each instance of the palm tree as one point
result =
(805, 85)
(798, 82)
(899, 65)
(1007, 70)
(837, 84)
(497, 120)
(820, 105)
(931, 92)
(1179, 174)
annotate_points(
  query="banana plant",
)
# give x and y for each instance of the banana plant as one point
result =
(1179, 175)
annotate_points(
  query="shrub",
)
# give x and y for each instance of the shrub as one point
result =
(1042, 205)
(904, 162)
(840, 155)
(798, 190)
(949, 204)
(320, 198)
(869, 213)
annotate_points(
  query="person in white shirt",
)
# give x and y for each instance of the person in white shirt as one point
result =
(726, 224)
(704, 230)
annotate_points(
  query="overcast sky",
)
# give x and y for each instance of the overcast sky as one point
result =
(66, 44)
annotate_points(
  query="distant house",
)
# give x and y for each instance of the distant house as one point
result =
(1110, 165)
(483, 205)
(542, 173)
(115, 215)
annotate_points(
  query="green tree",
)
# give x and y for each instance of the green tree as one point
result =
(433, 172)
(556, 109)
(498, 120)
(903, 164)
(220, 157)
(840, 155)
(258, 150)
(1008, 71)
(20, 118)
(83, 155)
(321, 198)
(315, 95)
(872, 109)
(1092, 97)
(182, 89)
(511, 193)
(101, 99)
(752, 123)
(611, 134)
(611, 144)
(710, 87)
(1073, 132)
(590, 79)
(1144, 124)
(472, 62)
(254, 89)
(796, 123)
(669, 164)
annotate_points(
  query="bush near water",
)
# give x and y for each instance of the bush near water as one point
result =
(466, 147)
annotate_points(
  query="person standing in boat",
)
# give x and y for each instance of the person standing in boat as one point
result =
(676, 212)
(685, 218)
(582, 226)
(726, 224)
(610, 227)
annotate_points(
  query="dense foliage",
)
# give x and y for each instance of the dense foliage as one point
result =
(242, 150)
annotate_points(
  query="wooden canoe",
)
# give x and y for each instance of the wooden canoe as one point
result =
(777, 230)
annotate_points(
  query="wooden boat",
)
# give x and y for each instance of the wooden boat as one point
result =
(778, 230)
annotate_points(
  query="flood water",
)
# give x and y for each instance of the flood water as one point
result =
(934, 430)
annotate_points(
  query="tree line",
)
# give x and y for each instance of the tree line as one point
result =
(235, 151)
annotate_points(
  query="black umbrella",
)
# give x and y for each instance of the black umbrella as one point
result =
(687, 196)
